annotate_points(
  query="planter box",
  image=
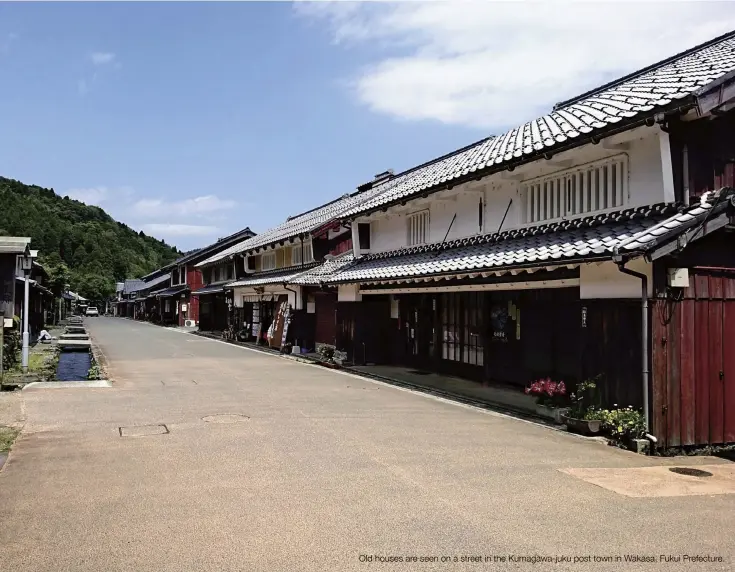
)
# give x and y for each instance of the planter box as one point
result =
(554, 413)
(583, 426)
(639, 446)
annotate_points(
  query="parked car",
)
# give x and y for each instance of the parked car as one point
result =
(92, 311)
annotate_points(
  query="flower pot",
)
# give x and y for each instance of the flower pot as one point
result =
(583, 426)
(554, 413)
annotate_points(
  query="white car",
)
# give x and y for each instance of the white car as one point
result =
(92, 311)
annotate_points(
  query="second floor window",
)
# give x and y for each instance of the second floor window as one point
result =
(298, 258)
(268, 261)
(596, 187)
(417, 227)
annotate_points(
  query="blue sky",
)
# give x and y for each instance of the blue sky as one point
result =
(193, 120)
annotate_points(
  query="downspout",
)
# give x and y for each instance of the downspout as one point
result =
(295, 296)
(644, 336)
(685, 173)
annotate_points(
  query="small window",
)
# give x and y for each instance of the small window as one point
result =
(182, 275)
(308, 254)
(363, 232)
(418, 228)
(230, 272)
(268, 261)
(296, 255)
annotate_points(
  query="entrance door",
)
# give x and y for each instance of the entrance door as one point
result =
(417, 328)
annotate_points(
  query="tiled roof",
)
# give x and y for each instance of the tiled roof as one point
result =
(281, 276)
(294, 226)
(156, 281)
(171, 291)
(214, 288)
(547, 245)
(652, 89)
(323, 272)
(133, 285)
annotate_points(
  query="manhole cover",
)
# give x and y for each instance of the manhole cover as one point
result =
(225, 418)
(143, 430)
(690, 472)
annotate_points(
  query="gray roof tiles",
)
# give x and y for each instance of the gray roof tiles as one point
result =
(628, 231)
(654, 87)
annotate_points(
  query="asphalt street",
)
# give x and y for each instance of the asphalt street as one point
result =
(208, 456)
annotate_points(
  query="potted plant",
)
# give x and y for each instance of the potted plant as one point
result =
(551, 397)
(626, 426)
(582, 417)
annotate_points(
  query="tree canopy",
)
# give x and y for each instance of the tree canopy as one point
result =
(79, 244)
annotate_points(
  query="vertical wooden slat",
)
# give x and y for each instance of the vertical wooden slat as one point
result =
(624, 182)
(552, 198)
(687, 373)
(674, 377)
(618, 184)
(538, 202)
(701, 369)
(610, 201)
(527, 196)
(582, 192)
(728, 334)
(716, 393)
(595, 190)
(659, 381)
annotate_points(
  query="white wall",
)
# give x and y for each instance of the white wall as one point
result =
(646, 185)
(604, 280)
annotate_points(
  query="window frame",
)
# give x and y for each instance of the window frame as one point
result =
(417, 228)
(270, 255)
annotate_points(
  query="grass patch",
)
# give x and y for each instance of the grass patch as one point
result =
(7, 436)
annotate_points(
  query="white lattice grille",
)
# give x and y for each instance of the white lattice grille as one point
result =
(418, 228)
(591, 188)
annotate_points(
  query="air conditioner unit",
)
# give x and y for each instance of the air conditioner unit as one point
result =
(190, 323)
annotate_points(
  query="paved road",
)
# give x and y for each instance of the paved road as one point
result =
(328, 467)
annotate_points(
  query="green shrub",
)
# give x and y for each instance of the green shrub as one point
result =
(12, 344)
(326, 351)
(621, 424)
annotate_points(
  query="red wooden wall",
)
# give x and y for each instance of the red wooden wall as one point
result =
(195, 281)
(693, 343)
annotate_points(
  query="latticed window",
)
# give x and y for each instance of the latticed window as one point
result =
(418, 228)
(268, 261)
(296, 254)
(591, 188)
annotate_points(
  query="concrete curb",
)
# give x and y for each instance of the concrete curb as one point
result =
(66, 384)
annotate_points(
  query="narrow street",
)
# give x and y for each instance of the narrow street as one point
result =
(270, 464)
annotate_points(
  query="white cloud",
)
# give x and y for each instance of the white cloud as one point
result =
(189, 207)
(90, 195)
(491, 65)
(102, 58)
(167, 230)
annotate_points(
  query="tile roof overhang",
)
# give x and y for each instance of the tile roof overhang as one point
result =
(624, 234)
(321, 274)
(35, 285)
(281, 276)
(156, 281)
(173, 291)
(133, 285)
(670, 86)
(217, 288)
(296, 226)
(14, 244)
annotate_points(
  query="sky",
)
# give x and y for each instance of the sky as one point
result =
(191, 121)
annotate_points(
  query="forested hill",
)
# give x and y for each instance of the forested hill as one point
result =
(97, 250)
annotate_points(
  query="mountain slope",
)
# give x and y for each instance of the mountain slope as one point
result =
(98, 250)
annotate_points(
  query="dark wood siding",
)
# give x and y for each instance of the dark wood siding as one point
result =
(693, 366)
(326, 317)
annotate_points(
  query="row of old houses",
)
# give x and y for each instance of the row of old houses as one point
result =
(596, 240)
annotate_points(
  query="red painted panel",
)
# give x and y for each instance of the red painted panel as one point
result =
(658, 380)
(701, 284)
(716, 393)
(687, 372)
(729, 287)
(715, 287)
(674, 377)
(195, 281)
(701, 370)
(729, 369)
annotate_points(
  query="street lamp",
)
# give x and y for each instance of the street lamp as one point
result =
(26, 264)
